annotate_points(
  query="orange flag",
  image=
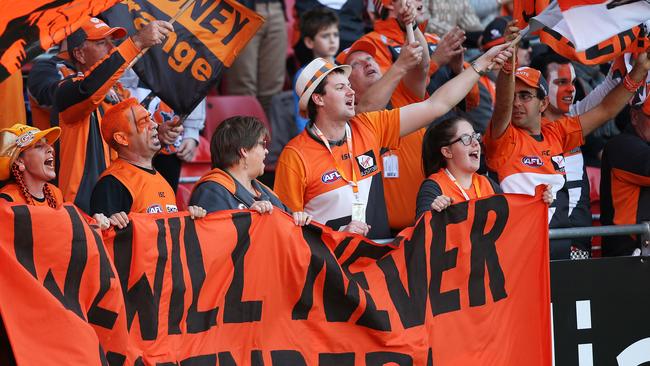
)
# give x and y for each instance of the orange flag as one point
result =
(29, 28)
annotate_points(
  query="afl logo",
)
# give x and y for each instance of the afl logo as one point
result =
(154, 209)
(532, 161)
(331, 176)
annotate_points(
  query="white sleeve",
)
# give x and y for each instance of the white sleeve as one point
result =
(595, 97)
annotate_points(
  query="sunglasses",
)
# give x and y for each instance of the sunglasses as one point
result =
(466, 139)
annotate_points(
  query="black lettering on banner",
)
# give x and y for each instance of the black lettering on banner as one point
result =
(96, 314)
(442, 260)
(383, 358)
(69, 297)
(202, 360)
(287, 357)
(237, 26)
(115, 359)
(256, 358)
(177, 297)
(102, 356)
(197, 321)
(141, 298)
(371, 317)
(484, 251)
(200, 6)
(139, 361)
(338, 302)
(235, 310)
(226, 359)
(122, 255)
(216, 14)
(23, 238)
(430, 357)
(336, 359)
(410, 305)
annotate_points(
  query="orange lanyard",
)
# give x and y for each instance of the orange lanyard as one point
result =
(348, 139)
(475, 183)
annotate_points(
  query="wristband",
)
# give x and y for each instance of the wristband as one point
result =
(631, 85)
(475, 68)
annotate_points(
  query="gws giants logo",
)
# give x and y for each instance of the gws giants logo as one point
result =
(154, 209)
(532, 161)
(330, 177)
(367, 163)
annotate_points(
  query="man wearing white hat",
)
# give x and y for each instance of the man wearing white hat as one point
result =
(331, 170)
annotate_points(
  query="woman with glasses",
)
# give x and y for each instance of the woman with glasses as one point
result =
(238, 149)
(451, 155)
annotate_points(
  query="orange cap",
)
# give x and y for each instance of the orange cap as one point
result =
(93, 29)
(533, 78)
(360, 45)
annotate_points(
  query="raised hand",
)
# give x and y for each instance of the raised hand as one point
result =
(152, 34)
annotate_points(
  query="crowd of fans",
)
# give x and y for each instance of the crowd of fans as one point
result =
(383, 128)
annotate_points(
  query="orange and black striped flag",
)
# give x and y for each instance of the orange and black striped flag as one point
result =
(207, 38)
(28, 28)
(551, 20)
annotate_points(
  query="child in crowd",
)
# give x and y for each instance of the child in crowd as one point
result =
(319, 29)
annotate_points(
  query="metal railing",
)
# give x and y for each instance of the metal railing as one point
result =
(642, 229)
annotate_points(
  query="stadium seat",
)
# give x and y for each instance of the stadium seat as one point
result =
(225, 106)
(183, 196)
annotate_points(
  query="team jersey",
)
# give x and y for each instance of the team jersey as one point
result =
(624, 188)
(307, 178)
(149, 191)
(81, 100)
(402, 168)
(440, 183)
(218, 190)
(11, 193)
(522, 161)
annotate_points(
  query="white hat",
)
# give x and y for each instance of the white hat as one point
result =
(310, 78)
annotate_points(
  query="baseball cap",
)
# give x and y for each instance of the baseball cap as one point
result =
(533, 78)
(93, 29)
(18, 138)
(493, 33)
(311, 76)
(360, 45)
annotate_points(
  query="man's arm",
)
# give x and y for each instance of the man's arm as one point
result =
(616, 99)
(505, 90)
(416, 79)
(378, 95)
(418, 115)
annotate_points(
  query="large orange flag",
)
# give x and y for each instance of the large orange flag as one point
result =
(28, 28)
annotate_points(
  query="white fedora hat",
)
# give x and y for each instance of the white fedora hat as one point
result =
(310, 78)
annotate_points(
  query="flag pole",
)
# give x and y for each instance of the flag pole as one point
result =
(180, 12)
(410, 36)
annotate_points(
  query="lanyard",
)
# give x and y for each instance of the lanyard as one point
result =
(348, 139)
(475, 183)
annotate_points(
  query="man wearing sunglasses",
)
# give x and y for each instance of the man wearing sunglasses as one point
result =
(525, 149)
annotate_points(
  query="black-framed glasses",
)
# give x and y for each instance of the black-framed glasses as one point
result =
(525, 96)
(466, 138)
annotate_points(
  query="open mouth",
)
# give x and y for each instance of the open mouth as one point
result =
(349, 103)
(475, 154)
(49, 163)
(567, 100)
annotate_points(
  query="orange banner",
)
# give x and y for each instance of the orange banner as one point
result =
(469, 286)
(59, 295)
(28, 28)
